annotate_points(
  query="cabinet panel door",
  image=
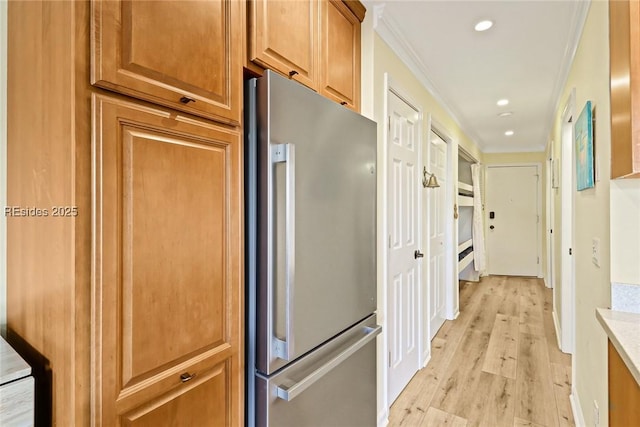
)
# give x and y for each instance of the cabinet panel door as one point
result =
(183, 54)
(201, 403)
(284, 37)
(167, 267)
(340, 63)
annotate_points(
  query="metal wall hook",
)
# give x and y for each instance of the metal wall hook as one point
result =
(431, 182)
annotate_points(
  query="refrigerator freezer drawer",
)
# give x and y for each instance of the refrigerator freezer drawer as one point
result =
(333, 386)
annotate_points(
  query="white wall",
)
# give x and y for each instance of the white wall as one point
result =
(3, 166)
(625, 231)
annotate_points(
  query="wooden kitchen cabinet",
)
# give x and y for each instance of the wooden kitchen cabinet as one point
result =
(624, 46)
(181, 54)
(340, 53)
(168, 236)
(283, 36)
(132, 298)
(624, 392)
(315, 42)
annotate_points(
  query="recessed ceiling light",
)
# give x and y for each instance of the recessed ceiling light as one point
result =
(503, 102)
(506, 114)
(483, 25)
(509, 133)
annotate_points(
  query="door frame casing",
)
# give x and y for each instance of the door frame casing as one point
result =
(538, 167)
(390, 85)
(566, 325)
(550, 275)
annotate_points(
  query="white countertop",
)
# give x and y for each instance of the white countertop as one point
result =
(623, 329)
(12, 366)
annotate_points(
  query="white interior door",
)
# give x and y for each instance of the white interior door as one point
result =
(404, 275)
(512, 239)
(437, 227)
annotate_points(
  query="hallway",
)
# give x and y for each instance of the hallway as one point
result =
(498, 364)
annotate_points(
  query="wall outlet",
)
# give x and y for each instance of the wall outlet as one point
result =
(596, 414)
(595, 251)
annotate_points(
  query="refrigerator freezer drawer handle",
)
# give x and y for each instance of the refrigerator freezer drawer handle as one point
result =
(285, 153)
(289, 393)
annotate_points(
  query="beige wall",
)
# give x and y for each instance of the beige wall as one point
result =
(498, 158)
(590, 77)
(386, 62)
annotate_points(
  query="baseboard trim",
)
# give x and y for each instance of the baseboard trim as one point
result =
(576, 408)
(426, 359)
(557, 326)
(383, 418)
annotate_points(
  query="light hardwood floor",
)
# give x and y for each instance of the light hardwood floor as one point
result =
(497, 364)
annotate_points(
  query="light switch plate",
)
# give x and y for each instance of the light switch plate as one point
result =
(595, 251)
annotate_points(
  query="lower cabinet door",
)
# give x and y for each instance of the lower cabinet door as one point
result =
(202, 402)
(167, 326)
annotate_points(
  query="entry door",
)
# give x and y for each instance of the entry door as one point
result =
(404, 275)
(437, 261)
(512, 240)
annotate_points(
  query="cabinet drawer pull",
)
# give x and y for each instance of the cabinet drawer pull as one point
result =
(292, 73)
(186, 377)
(186, 100)
(343, 103)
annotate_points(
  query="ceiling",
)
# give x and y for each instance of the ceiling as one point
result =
(525, 58)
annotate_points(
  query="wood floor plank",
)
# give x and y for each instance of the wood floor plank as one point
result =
(416, 397)
(500, 406)
(454, 386)
(510, 304)
(561, 376)
(502, 352)
(485, 314)
(519, 422)
(458, 389)
(535, 399)
(436, 417)
(531, 316)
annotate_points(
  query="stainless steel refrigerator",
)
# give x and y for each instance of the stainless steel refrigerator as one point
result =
(310, 173)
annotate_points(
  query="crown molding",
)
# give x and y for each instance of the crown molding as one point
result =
(389, 31)
(577, 27)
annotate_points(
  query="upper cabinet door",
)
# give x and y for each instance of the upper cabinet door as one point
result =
(340, 54)
(183, 54)
(284, 37)
(624, 57)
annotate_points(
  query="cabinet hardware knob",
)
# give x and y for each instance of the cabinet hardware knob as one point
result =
(292, 73)
(185, 377)
(492, 227)
(186, 100)
(343, 103)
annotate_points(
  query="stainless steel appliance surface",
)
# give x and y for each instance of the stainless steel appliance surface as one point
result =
(310, 174)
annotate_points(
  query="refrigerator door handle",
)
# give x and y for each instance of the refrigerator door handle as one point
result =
(285, 153)
(289, 393)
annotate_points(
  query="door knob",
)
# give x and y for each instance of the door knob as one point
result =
(417, 254)
(492, 227)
